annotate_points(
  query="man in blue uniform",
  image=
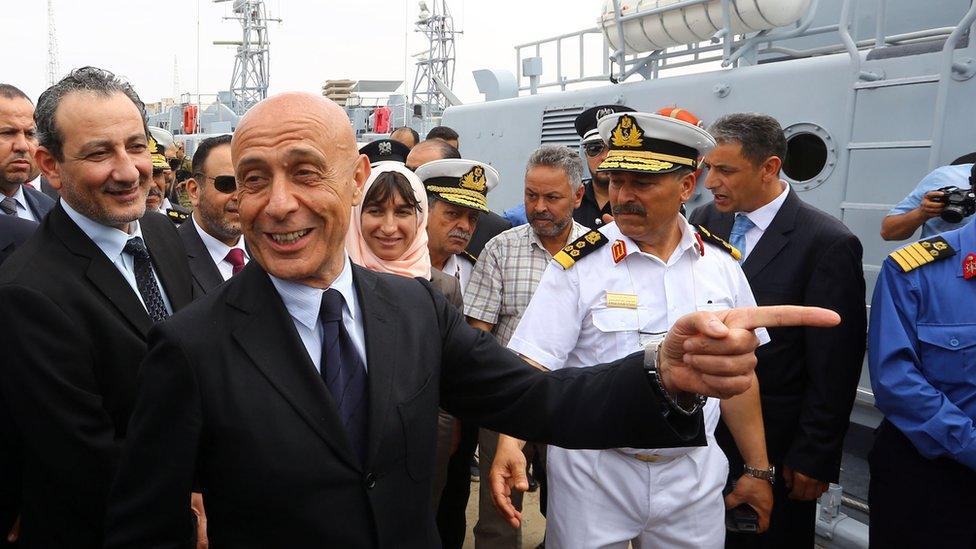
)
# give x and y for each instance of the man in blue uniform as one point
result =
(922, 353)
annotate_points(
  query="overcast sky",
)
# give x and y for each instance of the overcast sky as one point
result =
(317, 40)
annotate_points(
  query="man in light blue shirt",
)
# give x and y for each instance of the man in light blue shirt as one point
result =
(920, 208)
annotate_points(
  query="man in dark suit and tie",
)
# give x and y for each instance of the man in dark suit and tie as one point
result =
(302, 395)
(792, 254)
(214, 246)
(77, 301)
(17, 143)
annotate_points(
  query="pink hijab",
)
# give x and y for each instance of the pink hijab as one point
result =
(416, 260)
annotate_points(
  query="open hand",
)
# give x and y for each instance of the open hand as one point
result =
(712, 353)
(507, 472)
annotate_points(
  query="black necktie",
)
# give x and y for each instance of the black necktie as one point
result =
(145, 279)
(344, 372)
(8, 205)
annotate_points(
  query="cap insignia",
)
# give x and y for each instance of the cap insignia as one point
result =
(474, 180)
(386, 148)
(627, 134)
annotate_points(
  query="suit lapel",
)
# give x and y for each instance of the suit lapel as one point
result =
(168, 260)
(381, 332)
(101, 272)
(774, 238)
(267, 335)
(202, 267)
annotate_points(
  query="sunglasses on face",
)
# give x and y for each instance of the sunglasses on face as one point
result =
(594, 149)
(223, 183)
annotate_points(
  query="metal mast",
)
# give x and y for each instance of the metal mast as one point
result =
(249, 83)
(435, 66)
(53, 70)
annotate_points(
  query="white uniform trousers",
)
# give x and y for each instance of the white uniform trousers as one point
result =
(605, 499)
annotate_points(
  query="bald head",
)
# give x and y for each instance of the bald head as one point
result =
(430, 150)
(279, 113)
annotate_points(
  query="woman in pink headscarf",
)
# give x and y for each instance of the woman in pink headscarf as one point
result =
(388, 234)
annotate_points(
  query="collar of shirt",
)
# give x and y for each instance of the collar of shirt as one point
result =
(761, 217)
(218, 250)
(687, 242)
(303, 302)
(108, 239)
(575, 232)
(20, 198)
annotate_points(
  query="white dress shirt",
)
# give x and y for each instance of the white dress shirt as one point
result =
(460, 268)
(23, 210)
(303, 304)
(762, 217)
(218, 250)
(112, 241)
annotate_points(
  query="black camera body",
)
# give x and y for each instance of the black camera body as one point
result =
(959, 203)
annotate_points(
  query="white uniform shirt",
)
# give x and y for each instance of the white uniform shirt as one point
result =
(569, 323)
(460, 268)
(218, 250)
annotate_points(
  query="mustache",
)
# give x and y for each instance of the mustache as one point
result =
(458, 233)
(155, 192)
(635, 209)
(543, 216)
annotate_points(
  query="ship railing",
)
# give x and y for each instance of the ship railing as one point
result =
(724, 49)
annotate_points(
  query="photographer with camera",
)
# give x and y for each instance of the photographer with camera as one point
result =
(940, 203)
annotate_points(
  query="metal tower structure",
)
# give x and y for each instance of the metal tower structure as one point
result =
(53, 69)
(249, 83)
(435, 66)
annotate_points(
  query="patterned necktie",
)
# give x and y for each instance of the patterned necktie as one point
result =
(146, 280)
(344, 372)
(236, 258)
(737, 237)
(8, 205)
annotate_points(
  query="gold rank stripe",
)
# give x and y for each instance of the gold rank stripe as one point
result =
(911, 257)
(650, 155)
(564, 259)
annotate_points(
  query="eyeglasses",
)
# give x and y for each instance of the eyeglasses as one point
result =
(223, 183)
(594, 149)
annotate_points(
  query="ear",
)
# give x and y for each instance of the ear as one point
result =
(48, 165)
(687, 183)
(771, 167)
(360, 174)
(578, 199)
(193, 191)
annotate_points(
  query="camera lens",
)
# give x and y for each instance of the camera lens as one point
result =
(953, 214)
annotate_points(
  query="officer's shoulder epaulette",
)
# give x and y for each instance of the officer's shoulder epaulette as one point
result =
(177, 216)
(707, 236)
(470, 256)
(579, 248)
(921, 253)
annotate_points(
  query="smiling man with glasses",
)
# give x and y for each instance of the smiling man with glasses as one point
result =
(213, 240)
(596, 194)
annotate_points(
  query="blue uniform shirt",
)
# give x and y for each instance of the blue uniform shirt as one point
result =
(922, 351)
(957, 176)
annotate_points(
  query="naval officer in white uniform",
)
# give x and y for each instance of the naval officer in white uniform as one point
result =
(613, 292)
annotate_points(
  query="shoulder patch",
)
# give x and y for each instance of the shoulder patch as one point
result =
(707, 236)
(580, 248)
(177, 216)
(921, 253)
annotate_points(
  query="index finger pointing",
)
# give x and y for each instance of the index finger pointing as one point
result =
(750, 318)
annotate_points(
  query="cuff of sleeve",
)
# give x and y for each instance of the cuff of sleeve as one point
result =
(480, 314)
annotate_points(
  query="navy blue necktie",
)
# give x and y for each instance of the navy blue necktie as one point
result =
(145, 279)
(344, 372)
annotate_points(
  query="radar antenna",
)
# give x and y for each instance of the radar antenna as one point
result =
(53, 69)
(435, 66)
(249, 83)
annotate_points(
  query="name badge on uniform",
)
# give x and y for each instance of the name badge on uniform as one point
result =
(621, 301)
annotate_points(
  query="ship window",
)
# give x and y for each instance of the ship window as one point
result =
(806, 157)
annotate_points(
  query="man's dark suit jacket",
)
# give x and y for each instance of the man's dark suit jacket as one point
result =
(14, 231)
(206, 276)
(489, 226)
(807, 376)
(76, 333)
(229, 398)
(38, 203)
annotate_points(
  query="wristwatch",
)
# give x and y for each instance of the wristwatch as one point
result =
(768, 474)
(685, 403)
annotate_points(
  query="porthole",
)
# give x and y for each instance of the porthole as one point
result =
(810, 156)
